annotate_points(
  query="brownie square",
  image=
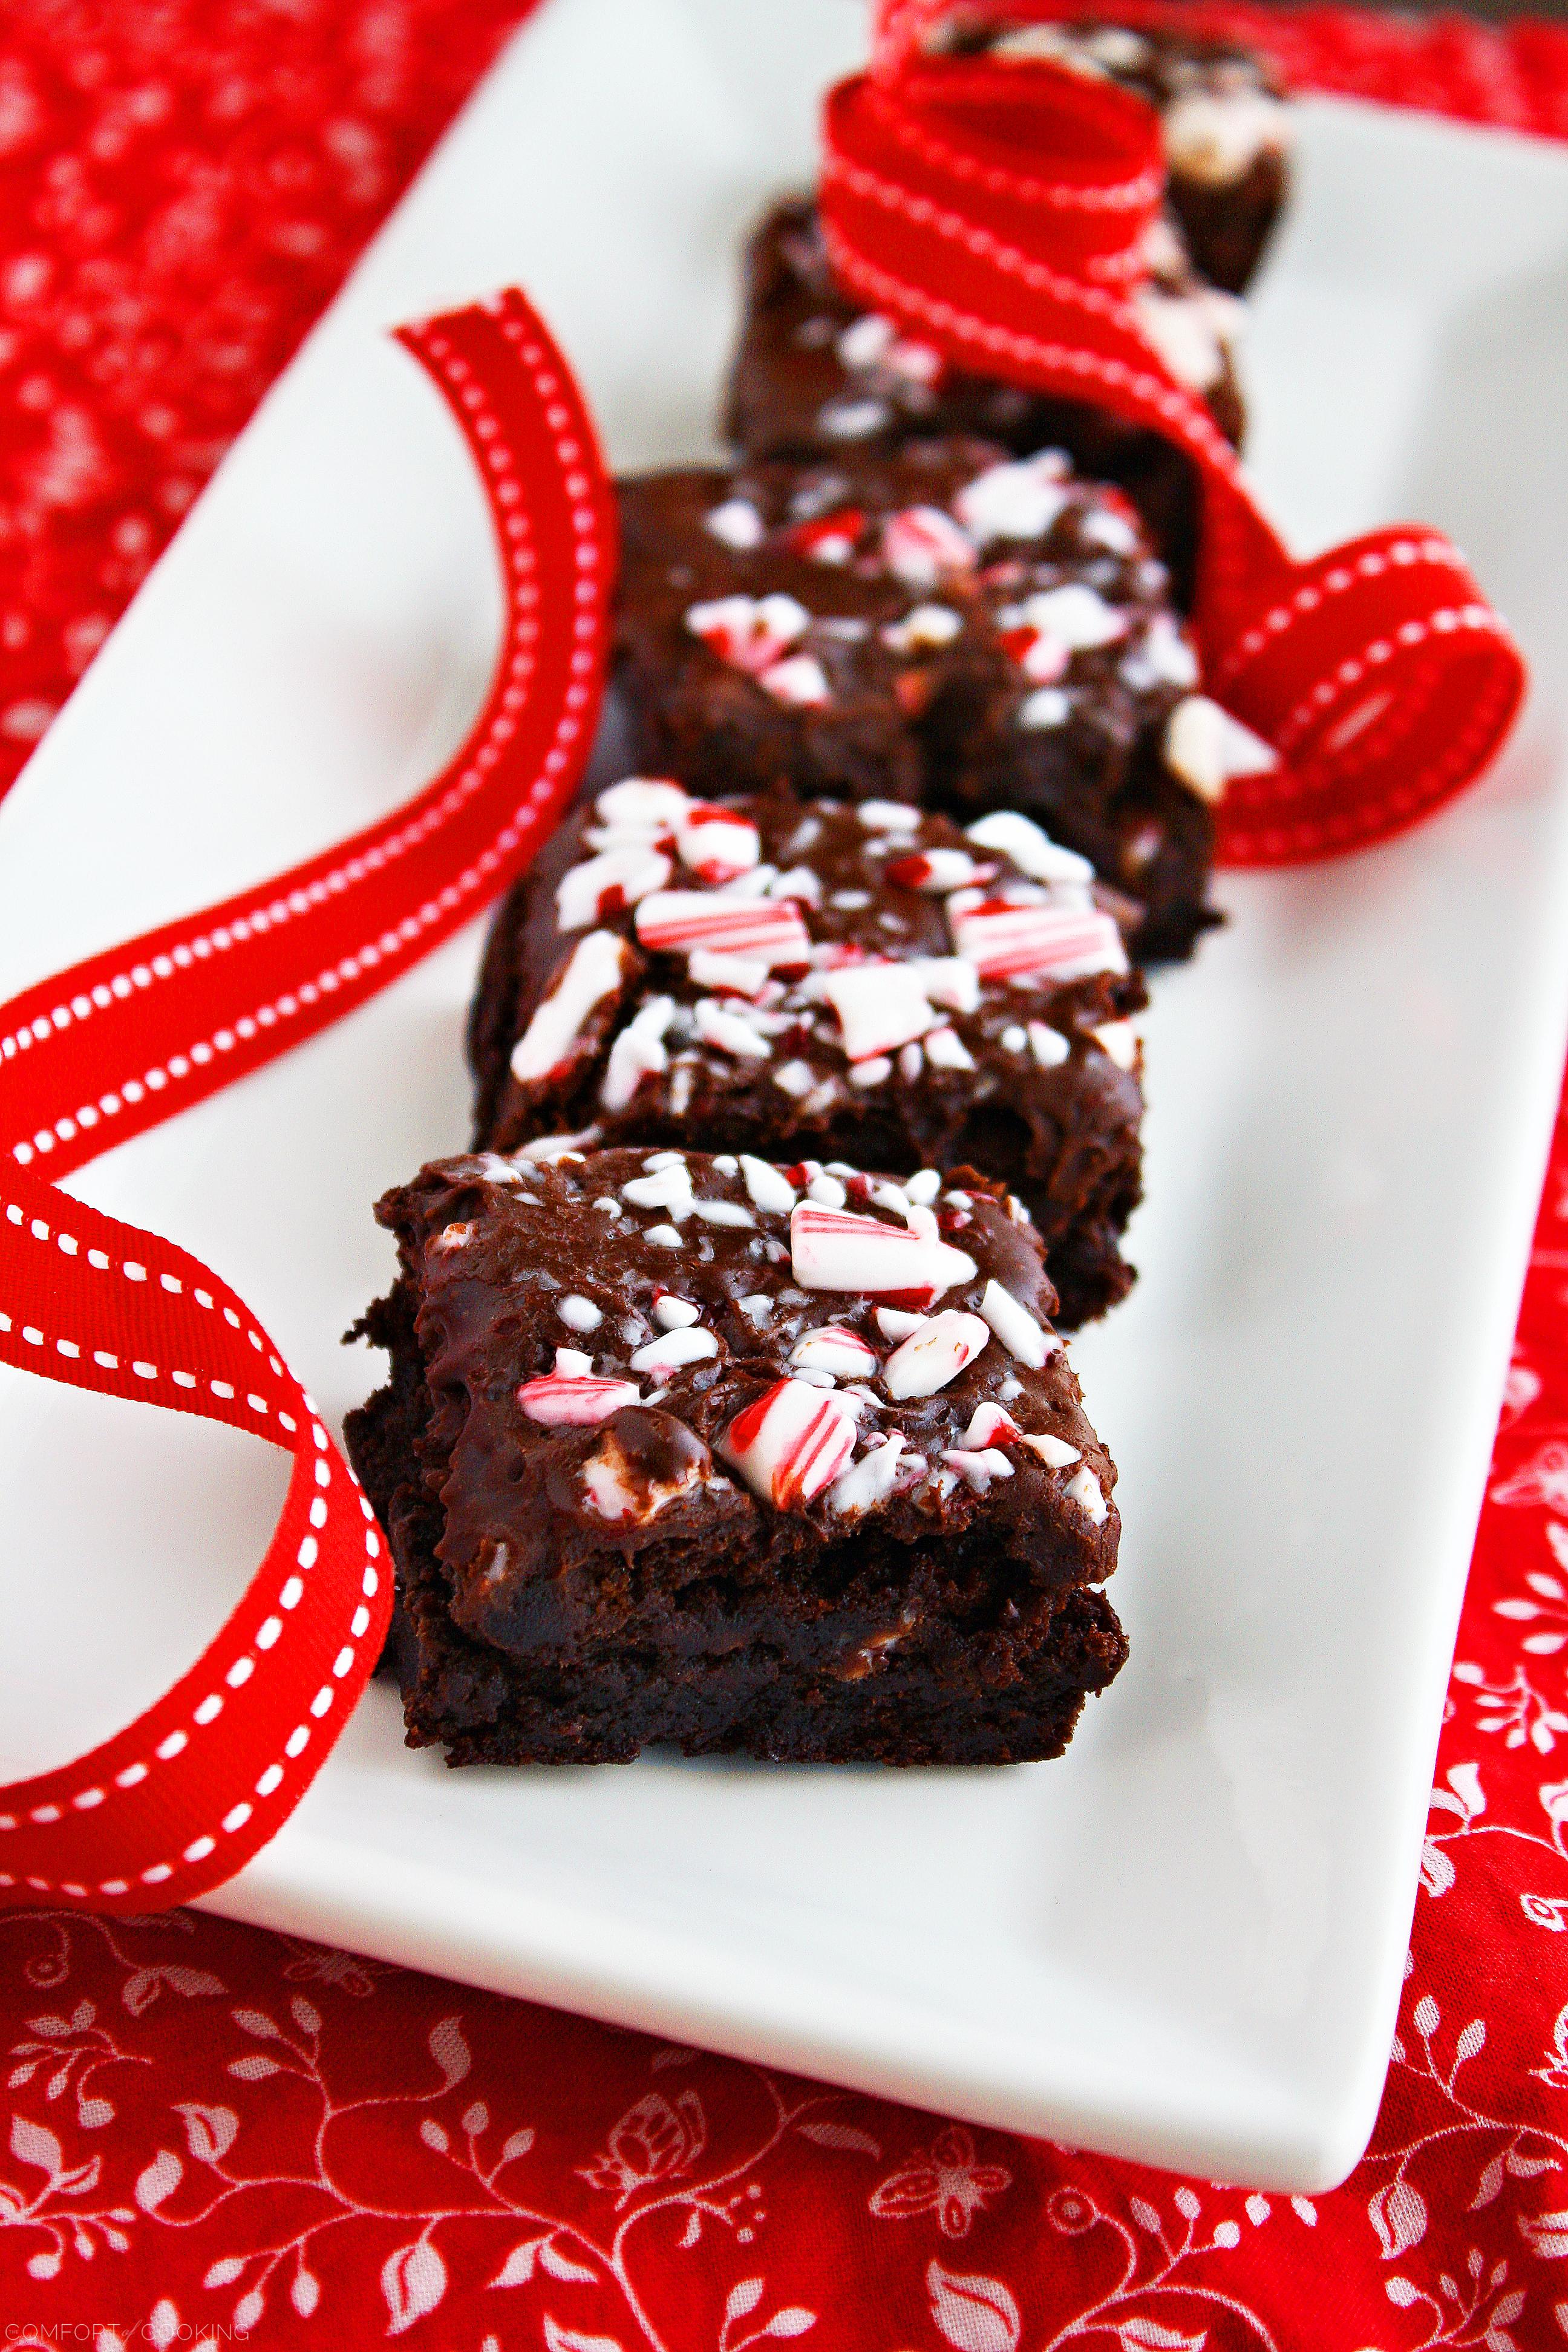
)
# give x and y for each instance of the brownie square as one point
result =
(1223, 119)
(885, 988)
(816, 374)
(942, 624)
(784, 1464)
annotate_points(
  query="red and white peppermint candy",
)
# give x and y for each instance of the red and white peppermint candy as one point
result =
(938, 870)
(645, 804)
(990, 1425)
(750, 632)
(977, 1470)
(1206, 747)
(595, 969)
(789, 1445)
(923, 545)
(1018, 1329)
(638, 1052)
(1042, 657)
(601, 886)
(834, 1348)
(570, 1397)
(1015, 501)
(764, 930)
(870, 1480)
(800, 681)
(935, 1354)
(834, 1249)
(1031, 849)
(829, 537)
(716, 843)
(1075, 614)
(879, 1006)
(1007, 942)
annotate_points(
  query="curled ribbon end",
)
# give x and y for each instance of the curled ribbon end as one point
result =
(1385, 682)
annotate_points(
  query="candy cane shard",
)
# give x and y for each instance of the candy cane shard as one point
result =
(1017, 1329)
(879, 1006)
(769, 1187)
(716, 844)
(977, 1469)
(616, 877)
(597, 967)
(1084, 1489)
(638, 1052)
(990, 1425)
(687, 1344)
(868, 1481)
(731, 1032)
(1021, 500)
(1206, 748)
(1031, 849)
(791, 1443)
(569, 1397)
(935, 1354)
(764, 930)
(1054, 1452)
(748, 633)
(937, 870)
(923, 545)
(1011, 942)
(833, 1347)
(834, 1249)
(643, 804)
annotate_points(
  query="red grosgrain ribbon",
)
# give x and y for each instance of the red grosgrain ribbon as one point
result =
(998, 212)
(186, 1794)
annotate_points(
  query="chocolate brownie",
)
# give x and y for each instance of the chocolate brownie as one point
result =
(816, 374)
(1224, 118)
(941, 624)
(785, 980)
(694, 1450)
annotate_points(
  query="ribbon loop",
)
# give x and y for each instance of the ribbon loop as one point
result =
(180, 1800)
(998, 211)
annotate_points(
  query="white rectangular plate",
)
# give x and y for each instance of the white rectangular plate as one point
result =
(1184, 1941)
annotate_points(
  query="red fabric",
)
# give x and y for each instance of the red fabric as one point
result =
(207, 2127)
(170, 1805)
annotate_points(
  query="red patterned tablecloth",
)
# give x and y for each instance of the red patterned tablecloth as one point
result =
(214, 2133)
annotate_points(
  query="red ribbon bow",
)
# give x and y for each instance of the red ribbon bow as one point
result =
(998, 211)
(181, 1799)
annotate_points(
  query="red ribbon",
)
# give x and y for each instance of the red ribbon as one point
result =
(182, 1797)
(998, 211)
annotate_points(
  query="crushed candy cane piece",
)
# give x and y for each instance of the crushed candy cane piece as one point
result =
(799, 680)
(888, 816)
(668, 1187)
(596, 967)
(880, 1005)
(1119, 1041)
(1206, 747)
(735, 523)
(945, 1050)
(716, 843)
(1012, 942)
(550, 1148)
(1016, 1327)
(791, 1443)
(935, 1354)
(687, 1344)
(750, 632)
(731, 975)
(601, 886)
(894, 1323)
(578, 1314)
(1077, 615)
(922, 546)
(1054, 1452)
(673, 1314)
(766, 931)
(835, 1249)
(1029, 846)
(768, 1186)
(642, 805)
(570, 1397)
(977, 1469)
(730, 1032)
(922, 629)
(828, 538)
(1084, 1489)
(1048, 1046)
(938, 870)
(990, 1425)
(868, 1481)
(1021, 500)
(834, 1348)
(637, 1053)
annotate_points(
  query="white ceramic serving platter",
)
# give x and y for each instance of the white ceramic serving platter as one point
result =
(1185, 1940)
